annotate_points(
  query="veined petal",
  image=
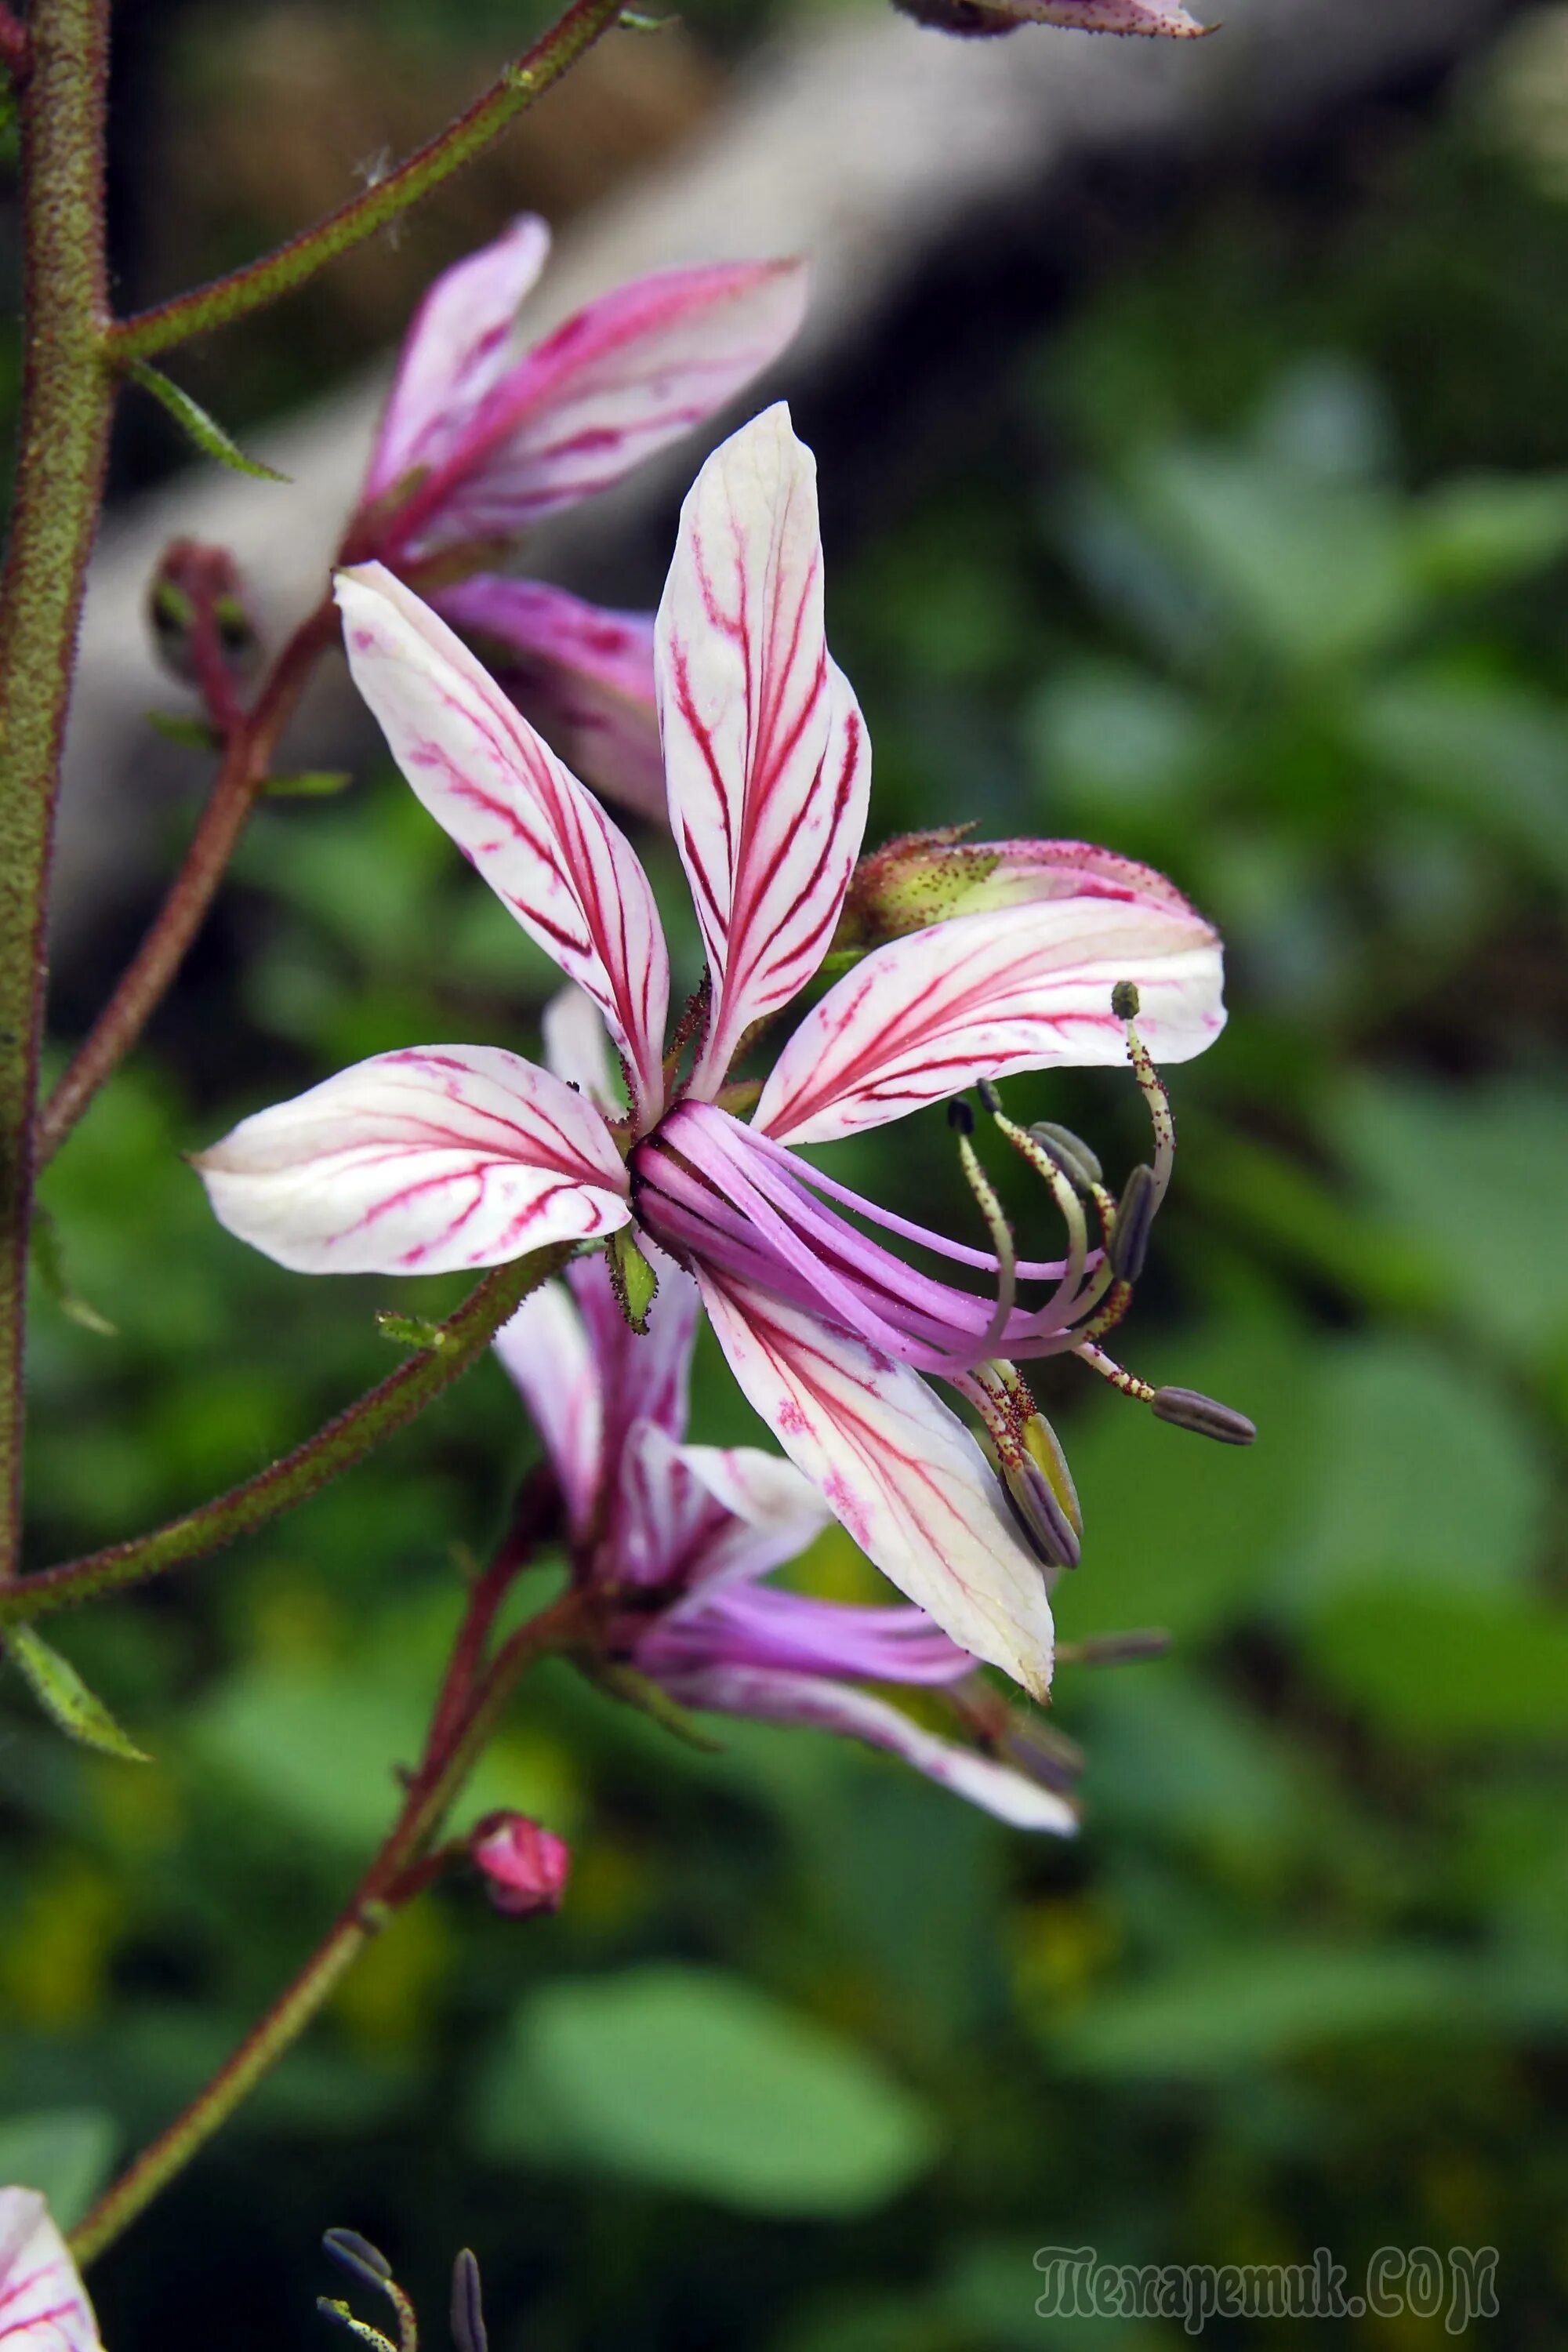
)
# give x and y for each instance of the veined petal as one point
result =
(456, 352)
(615, 383)
(765, 749)
(900, 1471)
(540, 841)
(545, 1350)
(43, 2306)
(583, 674)
(644, 1375)
(771, 1695)
(577, 1050)
(664, 1517)
(421, 1161)
(1025, 988)
(772, 1512)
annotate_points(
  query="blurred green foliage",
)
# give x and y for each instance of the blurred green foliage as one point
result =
(1262, 574)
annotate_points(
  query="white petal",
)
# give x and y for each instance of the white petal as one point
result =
(775, 1696)
(421, 1161)
(43, 2306)
(577, 1048)
(1027, 988)
(545, 1349)
(540, 841)
(772, 1512)
(900, 1471)
(460, 346)
(619, 380)
(765, 750)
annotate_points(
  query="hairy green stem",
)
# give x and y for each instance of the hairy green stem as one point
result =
(66, 398)
(291, 265)
(344, 1441)
(449, 1758)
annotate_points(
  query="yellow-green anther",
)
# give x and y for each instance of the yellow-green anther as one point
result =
(1044, 1449)
(1071, 1154)
(1187, 1408)
(1128, 1242)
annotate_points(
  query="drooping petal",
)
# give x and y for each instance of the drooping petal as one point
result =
(643, 1375)
(1025, 988)
(540, 841)
(43, 2306)
(457, 349)
(421, 1161)
(576, 1049)
(615, 383)
(771, 1511)
(583, 674)
(765, 749)
(545, 1350)
(900, 1471)
(736, 1620)
(664, 1517)
(814, 1701)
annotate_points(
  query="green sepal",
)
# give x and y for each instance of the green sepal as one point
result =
(409, 1330)
(66, 1698)
(196, 425)
(632, 1279)
(49, 1259)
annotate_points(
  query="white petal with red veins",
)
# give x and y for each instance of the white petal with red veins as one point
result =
(540, 841)
(43, 2306)
(577, 1051)
(772, 1695)
(772, 1513)
(421, 1161)
(580, 674)
(898, 1469)
(545, 1350)
(1027, 988)
(611, 386)
(765, 749)
(460, 346)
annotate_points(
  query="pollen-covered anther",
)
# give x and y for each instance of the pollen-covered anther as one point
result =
(1030, 1463)
(1188, 1409)
(1070, 1153)
(1128, 1243)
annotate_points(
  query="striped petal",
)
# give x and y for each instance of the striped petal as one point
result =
(764, 747)
(771, 1695)
(43, 2306)
(457, 351)
(614, 383)
(900, 1471)
(577, 1050)
(583, 674)
(675, 1523)
(644, 1375)
(545, 1350)
(540, 841)
(421, 1161)
(1025, 988)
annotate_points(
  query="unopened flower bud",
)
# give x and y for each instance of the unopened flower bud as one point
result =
(200, 621)
(1071, 1154)
(1186, 1409)
(525, 1866)
(469, 2331)
(1134, 1221)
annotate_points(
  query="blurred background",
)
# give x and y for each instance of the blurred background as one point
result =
(1201, 490)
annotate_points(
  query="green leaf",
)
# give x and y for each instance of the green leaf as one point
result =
(65, 2153)
(1439, 1668)
(1492, 756)
(198, 426)
(313, 785)
(49, 1258)
(697, 2082)
(1482, 531)
(66, 1698)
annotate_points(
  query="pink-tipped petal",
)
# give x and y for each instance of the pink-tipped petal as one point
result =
(897, 1468)
(765, 749)
(540, 841)
(545, 1350)
(813, 1701)
(614, 383)
(423, 1161)
(583, 674)
(985, 995)
(457, 349)
(43, 2306)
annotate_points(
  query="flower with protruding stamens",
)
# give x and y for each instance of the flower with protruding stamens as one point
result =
(442, 1157)
(676, 1539)
(483, 434)
(43, 2303)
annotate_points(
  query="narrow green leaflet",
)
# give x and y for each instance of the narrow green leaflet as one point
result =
(314, 784)
(193, 421)
(48, 1261)
(66, 1698)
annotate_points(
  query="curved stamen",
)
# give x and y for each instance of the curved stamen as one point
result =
(961, 1118)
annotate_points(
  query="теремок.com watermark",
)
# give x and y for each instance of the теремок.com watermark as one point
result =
(1457, 2286)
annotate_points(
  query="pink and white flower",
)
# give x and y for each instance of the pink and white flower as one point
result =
(443, 1157)
(676, 1539)
(484, 435)
(43, 2303)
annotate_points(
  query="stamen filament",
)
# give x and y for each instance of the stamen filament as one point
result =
(1110, 1369)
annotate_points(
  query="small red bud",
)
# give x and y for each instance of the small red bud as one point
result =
(525, 1866)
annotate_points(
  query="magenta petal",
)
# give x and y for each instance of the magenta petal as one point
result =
(582, 674)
